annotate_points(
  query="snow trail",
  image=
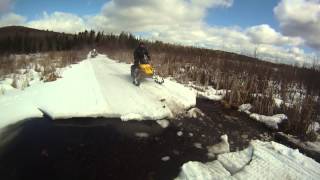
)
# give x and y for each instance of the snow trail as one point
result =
(97, 87)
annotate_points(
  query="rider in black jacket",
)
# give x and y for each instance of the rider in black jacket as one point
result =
(140, 54)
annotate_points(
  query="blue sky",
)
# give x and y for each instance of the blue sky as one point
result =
(245, 13)
(282, 29)
(34, 8)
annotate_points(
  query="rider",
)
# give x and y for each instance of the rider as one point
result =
(141, 56)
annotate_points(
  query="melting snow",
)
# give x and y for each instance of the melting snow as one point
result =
(179, 133)
(142, 134)
(195, 113)
(97, 87)
(166, 158)
(222, 147)
(163, 123)
(198, 145)
(261, 160)
(271, 121)
(208, 92)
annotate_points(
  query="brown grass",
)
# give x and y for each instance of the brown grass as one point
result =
(252, 82)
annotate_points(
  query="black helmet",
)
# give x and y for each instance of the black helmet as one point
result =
(141, 43)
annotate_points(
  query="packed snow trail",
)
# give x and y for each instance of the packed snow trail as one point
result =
(97, 87)
(148, 101)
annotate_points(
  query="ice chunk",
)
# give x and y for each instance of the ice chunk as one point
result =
(198, 145)
(261, 160)
(165, 158)
(142, 134)
(179, 133)
(271, 121)
(195, 113)
(222, 147)
(163, 123)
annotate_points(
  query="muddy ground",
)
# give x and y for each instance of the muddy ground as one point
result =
(94, 149)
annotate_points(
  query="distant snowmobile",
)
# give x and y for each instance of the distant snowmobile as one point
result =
(93, 53)
(144, 71)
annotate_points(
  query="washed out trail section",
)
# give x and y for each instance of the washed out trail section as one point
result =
(86, 148)
(219, 121)
(97, 87)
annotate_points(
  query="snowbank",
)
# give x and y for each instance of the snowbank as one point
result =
(261, 160)
(270, 121)
(208, 92)
(313, 148)
(195, 113)
(96, 87)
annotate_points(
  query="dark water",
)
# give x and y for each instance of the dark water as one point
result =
(87, 148)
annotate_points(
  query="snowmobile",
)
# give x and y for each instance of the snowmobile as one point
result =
(143, 71)
(93, 53)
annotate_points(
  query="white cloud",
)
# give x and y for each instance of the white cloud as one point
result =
(264, 34)
(212, 3)
(300, 18)
(5, 5)
(182, 21)
(60, 22)
(11, 19)
(177, 21)
(153, 15)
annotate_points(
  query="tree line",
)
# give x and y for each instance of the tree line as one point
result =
(21, 41)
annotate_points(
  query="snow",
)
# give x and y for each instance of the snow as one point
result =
(208, 92)
(163, 123)
(141, 134)
(197, 145)
(278, 102)
(165, 158)
(245, 108)
(310, 146)
(270, 121)
(314, 126)
(195, 113)
(131, 116)
(222, 147)
(235, 161)
(261, 160)
(97, 87)
(179, 133)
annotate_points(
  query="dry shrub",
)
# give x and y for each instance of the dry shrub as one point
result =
(15, 81)
(49, 73)
(301, 115)
(264, 105)
(70, 57)
(53, 76)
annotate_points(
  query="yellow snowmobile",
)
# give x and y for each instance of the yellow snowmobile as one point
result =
(144, 71)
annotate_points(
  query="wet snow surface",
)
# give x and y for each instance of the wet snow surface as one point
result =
(93, 149)
(89, 148)
(120, 145)
(261, 160)
(97, 87)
